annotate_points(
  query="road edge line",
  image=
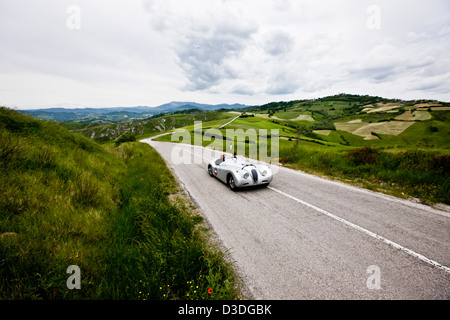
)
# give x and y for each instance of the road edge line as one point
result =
(370, 233)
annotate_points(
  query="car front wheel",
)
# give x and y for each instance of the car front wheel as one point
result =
(231, 183)
(210, 171)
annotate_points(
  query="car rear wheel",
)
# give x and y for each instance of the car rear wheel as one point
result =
(231, 183)
(210, 171)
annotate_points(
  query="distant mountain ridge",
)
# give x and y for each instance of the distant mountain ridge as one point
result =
(171, 106)
(121, 113)
(176, 105)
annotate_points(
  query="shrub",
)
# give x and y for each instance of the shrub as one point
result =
(326, 124)
(415, 160)
(125, 138)
(441, 164)
(365, 155)
(376, 134)
(11, 149)
(86, 190)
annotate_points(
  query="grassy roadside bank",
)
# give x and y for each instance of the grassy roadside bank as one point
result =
(112, 211)
(421, 174)
(157, 231)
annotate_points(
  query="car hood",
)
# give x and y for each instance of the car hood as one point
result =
(241, 163)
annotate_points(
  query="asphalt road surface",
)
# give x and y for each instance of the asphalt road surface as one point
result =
(305, 237)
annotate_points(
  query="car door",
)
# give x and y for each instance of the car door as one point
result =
(222, 171)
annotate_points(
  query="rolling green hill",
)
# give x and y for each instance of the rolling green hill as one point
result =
(115, 212)
(107, 132)
(121, 114)
(389, 145)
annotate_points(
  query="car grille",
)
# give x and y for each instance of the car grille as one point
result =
(255, 175)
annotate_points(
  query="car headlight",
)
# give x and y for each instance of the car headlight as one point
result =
(246, 175)
(264, 173)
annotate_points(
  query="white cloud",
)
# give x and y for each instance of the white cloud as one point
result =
(153, 51)
(278, 42)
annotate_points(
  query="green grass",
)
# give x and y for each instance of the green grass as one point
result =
(167, 238)
(394, 172)
(417, 173)
(103, 133)
(412, 163)
(116, 212)
(260, 123)
(290, 115)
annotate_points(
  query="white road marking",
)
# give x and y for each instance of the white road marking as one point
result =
(228, 122)
(350, 224)
(370, 233)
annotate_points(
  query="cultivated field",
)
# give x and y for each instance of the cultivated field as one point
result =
(366, 130)
(414, 116)
(319, 135)
(400, 137)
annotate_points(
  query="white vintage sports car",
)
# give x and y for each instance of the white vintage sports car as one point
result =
(236, 172)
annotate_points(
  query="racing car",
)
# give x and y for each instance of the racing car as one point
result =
(237, 172)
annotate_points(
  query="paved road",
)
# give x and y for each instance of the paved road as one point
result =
(306, 237)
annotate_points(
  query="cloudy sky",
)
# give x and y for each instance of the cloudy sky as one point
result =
(95, 53)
